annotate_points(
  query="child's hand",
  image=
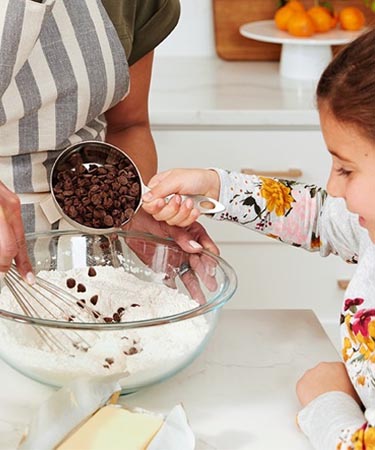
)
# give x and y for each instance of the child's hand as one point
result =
(323, 378)
(179, 181)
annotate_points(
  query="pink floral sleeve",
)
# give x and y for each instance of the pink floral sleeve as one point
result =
(286, 210)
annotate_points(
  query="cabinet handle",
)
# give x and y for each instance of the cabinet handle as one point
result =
(342, 284)
(290, 173)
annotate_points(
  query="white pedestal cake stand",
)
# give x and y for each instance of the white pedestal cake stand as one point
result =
(301, 58)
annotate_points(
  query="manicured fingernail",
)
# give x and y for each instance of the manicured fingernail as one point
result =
(189, 203)
(195, 244)
(30, 278)
(147, 197)
(211, 270)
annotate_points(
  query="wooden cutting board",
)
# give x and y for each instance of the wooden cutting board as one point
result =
(229, 15)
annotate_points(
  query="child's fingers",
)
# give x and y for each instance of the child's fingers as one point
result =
(154, 207)
(185, 216)
(162, 185)
(170, 209)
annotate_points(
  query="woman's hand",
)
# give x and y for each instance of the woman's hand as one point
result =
(179, 181)
(323, 378)
(191, 239)
(12, 235)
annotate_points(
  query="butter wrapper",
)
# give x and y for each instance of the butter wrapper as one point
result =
(74, 405)
(65, 410)
(174, 433)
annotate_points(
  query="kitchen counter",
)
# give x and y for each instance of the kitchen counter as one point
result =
(239, 394)
(209, 92)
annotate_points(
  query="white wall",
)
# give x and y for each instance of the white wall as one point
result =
(194, 34)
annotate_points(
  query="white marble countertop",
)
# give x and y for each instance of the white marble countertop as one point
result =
(209, 92)
(239, 394)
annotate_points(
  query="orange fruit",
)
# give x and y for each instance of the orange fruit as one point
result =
(282, 17)
(301, 25)
(351, 18)
(321, 18)
(284, 13)
(295, 5)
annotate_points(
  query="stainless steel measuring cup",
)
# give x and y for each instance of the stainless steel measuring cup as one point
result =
(97, 187)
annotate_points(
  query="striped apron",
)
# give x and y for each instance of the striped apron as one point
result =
(61, 67)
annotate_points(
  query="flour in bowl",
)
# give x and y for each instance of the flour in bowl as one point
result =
(111, 295)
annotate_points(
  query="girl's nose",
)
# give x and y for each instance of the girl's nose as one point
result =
(334, 186)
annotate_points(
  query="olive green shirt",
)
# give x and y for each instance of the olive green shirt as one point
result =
(142, 24)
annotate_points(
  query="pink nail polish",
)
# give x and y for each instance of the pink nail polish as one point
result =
(195, 245)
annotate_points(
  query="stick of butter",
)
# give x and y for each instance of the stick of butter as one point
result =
(114, 428)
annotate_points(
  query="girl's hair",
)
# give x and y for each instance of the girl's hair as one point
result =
(347, 86)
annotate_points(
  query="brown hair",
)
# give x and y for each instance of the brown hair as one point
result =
(347, 86)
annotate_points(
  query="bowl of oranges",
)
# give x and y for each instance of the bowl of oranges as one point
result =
(307, 34)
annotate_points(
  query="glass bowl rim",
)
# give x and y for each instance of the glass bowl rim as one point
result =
(229, 288)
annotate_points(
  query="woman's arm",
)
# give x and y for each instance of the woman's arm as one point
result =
(128, 121)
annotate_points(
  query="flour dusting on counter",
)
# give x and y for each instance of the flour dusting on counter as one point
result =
(111, 295)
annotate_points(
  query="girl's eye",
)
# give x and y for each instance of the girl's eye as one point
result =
(342, 172)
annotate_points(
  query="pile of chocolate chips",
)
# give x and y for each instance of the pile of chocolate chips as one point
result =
(98, 196)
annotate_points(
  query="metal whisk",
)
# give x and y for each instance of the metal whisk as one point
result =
(44, 300)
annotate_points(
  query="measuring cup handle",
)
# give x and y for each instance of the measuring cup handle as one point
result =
(199, 203)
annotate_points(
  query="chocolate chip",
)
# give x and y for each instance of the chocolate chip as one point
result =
(108, 319)
(81, 303)
(94, 299)
(134, 305)
(92, 272)
(81, 288)
(116, 317)
(110, 361)
(120, 310)
(131, 351)
(96, 314)
(70, 282)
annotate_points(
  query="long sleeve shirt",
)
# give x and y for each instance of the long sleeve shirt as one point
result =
(305, 216)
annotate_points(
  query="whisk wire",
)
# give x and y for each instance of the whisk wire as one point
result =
(28, 296)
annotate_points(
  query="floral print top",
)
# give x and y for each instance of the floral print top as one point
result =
(305, 216)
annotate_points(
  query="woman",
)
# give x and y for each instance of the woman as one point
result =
(67, 75)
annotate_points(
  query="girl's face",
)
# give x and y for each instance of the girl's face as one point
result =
(352, 174)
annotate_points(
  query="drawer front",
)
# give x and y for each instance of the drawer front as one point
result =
(266, 151)
(237, 150)
(284, 277)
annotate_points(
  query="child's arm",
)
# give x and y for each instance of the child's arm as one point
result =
(20, 25)
(335, 421)
(331, 413)
(296, 213)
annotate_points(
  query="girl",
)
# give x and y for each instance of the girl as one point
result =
(338, 399)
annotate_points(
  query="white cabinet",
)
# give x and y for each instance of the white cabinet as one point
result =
(270, 274)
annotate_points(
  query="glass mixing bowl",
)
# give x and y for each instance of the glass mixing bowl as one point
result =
(130, 306)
